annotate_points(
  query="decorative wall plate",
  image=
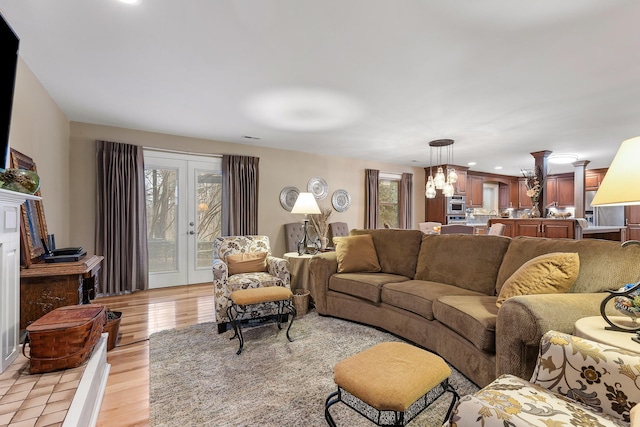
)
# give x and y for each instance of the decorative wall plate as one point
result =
(288, 197)
(340, 200)
(318, 187)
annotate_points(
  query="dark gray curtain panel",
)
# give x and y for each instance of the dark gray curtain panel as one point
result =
(406, 206)
(372, 198)
(121, 219)
(239, 195)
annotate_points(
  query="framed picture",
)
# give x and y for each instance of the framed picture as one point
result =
(33, 227)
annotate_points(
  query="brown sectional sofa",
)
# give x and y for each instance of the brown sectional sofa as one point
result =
(439, 291)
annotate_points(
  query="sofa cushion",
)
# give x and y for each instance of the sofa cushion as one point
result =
(418, 296)
(247, 262)
(362, 285)
(356, 254)
(467, 261)
(545, 274)
(397, 249)
(604, 265)
(472, 317)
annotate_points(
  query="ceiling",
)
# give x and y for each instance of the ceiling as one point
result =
(370, 79)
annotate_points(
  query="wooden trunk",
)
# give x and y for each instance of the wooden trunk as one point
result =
(65, 337)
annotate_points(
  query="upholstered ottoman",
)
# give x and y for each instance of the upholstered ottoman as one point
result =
(390, 383)
(243, 298)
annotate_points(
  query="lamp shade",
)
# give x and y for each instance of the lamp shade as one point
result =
(621, 184)
(305, 204)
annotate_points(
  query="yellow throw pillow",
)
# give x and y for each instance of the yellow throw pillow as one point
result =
(248, 262)
(545, 274)
(356, 254)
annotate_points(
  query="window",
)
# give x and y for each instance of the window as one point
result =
(388, 202)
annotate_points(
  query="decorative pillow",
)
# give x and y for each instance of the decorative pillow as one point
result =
(247, 262)
(356, 254)
(545, 274)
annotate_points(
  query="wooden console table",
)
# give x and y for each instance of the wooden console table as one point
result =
(46, 286)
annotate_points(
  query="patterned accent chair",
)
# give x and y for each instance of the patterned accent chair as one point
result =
(576, 382)
(277, 275)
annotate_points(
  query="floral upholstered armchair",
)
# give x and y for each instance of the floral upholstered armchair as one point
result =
(576, 382)
(273, 271)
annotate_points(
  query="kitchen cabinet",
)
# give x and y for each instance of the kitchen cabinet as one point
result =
(593, 178)
(524, 201)
(475, 189)
(551, 228)
(559, 190)
(461, 184)
(508, 195)
(632, 219)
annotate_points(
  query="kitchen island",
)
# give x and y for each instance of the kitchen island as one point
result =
(559, 229)
(606, 232)
(540, 227)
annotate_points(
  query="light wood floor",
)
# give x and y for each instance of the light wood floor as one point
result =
(126, 399)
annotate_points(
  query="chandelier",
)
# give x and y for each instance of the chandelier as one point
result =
(442, 181)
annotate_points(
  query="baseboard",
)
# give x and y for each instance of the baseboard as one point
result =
(85, 405)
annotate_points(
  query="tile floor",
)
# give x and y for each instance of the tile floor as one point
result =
(38, 400)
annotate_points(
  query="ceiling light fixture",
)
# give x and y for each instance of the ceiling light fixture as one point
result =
(441, 181)
(562, 158)
(129, 1)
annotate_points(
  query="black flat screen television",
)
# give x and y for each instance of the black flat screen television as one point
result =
(9, 43)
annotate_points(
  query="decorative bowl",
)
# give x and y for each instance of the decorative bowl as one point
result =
(20, 180)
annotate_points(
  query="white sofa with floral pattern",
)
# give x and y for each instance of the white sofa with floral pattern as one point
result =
(576, 382)
(277, 274)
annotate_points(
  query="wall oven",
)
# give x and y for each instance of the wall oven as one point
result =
(456, 205)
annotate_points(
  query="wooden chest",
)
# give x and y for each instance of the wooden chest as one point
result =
(65, 337)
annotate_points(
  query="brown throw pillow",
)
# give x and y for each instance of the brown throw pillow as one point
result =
(545, 274)
(247, 262)
(356, 254)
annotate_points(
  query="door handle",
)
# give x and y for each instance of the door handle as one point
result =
(192, 232)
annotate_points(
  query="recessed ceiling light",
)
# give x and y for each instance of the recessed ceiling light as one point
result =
(471, 163)
(129, 1)
(498, 167)
(562, 158)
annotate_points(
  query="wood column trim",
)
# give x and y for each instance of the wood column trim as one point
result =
(579, 186)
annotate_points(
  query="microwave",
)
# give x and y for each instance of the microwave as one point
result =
(456, 205)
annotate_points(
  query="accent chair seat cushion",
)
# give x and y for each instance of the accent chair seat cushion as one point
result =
(260, 295)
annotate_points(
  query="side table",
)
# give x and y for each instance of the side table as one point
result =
(299, 269)
(593, 328)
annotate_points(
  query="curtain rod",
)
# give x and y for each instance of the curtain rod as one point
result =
(166, 150)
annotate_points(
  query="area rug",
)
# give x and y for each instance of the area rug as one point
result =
(196, 378)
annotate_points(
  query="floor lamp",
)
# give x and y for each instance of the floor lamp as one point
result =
(621, 187)
(306, 204)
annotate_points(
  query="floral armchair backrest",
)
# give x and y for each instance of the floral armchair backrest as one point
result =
(603, 377)
(223, 246)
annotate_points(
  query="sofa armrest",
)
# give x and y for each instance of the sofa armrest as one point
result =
(321, 268)
(279, 267)
(523, 320)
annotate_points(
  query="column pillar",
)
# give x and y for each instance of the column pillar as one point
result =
(579, 186)
(541, 167)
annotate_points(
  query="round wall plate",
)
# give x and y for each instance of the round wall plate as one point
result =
(318, 187)
(340, 200)
(288, 197)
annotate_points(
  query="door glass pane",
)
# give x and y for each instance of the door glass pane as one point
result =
(161, 197)
(209, 215)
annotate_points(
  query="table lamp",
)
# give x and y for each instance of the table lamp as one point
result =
(306, 204)
(621, 187)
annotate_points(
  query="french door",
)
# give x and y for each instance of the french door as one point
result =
(184, 201)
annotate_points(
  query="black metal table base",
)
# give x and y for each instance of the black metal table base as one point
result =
(389, 418)
(235, 311)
